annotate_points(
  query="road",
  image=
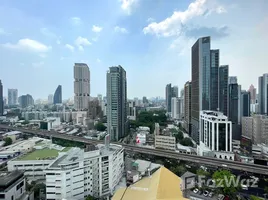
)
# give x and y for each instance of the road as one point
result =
(260, 169)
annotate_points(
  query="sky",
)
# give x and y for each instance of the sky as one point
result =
(151, 39)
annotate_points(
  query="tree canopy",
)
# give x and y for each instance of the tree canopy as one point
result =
(252, 197)
(187, 142)
(8, 141)
(100, 127)
(225, 181)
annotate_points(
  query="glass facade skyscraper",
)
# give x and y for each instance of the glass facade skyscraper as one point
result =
(201, 73)
(57, 99)
(214, 79)
(223, 88)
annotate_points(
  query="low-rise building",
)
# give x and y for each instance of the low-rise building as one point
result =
(167, 142)
(13, 186)
(79, 173)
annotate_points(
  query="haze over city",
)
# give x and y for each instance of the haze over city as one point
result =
(41, 41)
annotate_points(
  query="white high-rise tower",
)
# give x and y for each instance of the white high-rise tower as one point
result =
(81, 86)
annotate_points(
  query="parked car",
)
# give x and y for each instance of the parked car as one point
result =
(211, 194)
(195, 190)
(206, 193)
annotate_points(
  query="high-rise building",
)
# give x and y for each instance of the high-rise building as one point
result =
(12, 97)
(26, 100)
(57, 99)
(1, 99)
(263, 94)
(176, 107)
(200, 94)
(214, 79)
(81, 86)
(116, 102)
(252, 91)
(187, 106)
(170, 92)
(245, 104)
(50, 99)
(223, 89)
(233, 104)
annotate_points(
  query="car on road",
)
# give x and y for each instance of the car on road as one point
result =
(206, 193)
(220, 197)
(211, 194)
(195, 190)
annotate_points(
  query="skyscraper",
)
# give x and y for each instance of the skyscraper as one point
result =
(214, 79)
(116, 102)
(26, 100)
(170, 92)
(1, 99)
(223, 88)
(57, 99)
(233, 106)
(245, 103)
(200, 91)
(12, 97)
(187, 106)
(252, 91)
(81, 86)
(263, 94)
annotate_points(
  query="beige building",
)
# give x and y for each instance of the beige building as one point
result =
(256, 128)
(165, 142)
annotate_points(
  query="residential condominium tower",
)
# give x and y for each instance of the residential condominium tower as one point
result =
(263, 94)
(81, 86)
(12, 97)
(116, 102)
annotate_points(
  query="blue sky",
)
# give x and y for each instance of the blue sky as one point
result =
(41, 40)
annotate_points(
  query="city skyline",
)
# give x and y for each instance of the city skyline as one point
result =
(157, 51)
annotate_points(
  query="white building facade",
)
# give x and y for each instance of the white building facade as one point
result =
(215, 135)
(77, 174)
(165, 142)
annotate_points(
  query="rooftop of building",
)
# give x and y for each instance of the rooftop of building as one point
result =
(42, 154)
(163, 184)
(12, 133)
(6, 178)
(215, 114)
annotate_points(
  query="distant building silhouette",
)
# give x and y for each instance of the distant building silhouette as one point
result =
(57, 99)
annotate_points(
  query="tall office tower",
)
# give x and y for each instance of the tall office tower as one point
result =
(200, 94)
(245, 103)
(239, 104)
(223, 88)
(1, 99)
(57, 99)
(168, 97)
(26, 100)
(12, 97)
(175, 91)
(253, 94)
(263, 94)
(81, 86)
(50, 99)
(116, 102)
(214, 79)
(187, 107)
(233, 106)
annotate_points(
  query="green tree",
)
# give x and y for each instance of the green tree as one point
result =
(266, 189)
(8, 141)
(187, 142)
(100, 127)
(89, 198)
(178, 136)
(202, 172)
(226, 180)
(252, 197)
(178, 170)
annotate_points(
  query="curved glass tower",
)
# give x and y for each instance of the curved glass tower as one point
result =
(58, 95)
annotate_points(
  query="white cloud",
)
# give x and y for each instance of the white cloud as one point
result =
(150, 19)
(96, 29)
(38, 64)
(173, 25)
(98, 60)
(128, 5)
(28, 44)
(95, 39)
(76, 21)
(120, 29)
(81, 42)
(70, 47)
